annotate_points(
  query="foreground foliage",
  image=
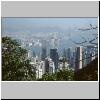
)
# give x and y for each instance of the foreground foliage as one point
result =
(15, 65)
(62, 75)
(88, 73)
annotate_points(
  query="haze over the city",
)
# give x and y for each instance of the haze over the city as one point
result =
(66, 30)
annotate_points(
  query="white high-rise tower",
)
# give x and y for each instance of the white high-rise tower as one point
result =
(78, 58)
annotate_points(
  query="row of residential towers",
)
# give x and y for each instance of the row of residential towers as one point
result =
(76, 59)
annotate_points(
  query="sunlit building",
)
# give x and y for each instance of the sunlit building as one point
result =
(78, 58)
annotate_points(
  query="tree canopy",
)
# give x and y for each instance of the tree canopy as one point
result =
(15, 65)
(61, 75)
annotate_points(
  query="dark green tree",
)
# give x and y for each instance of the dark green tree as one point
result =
(15, 65)
(61, 75)
(65, 75)
(48, 77)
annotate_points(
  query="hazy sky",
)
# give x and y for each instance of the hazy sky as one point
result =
(44, 24)
(66, 28)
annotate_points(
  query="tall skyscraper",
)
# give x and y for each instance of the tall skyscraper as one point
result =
(78, 58)
(46, 66)
(65, 53)
(84, 57)
(73, 60)
(69, 55)
(44, 50)
(55, 58)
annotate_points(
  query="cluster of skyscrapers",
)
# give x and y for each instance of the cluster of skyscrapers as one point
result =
(52, 62)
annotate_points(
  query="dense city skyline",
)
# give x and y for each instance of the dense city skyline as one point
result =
(54, 44)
